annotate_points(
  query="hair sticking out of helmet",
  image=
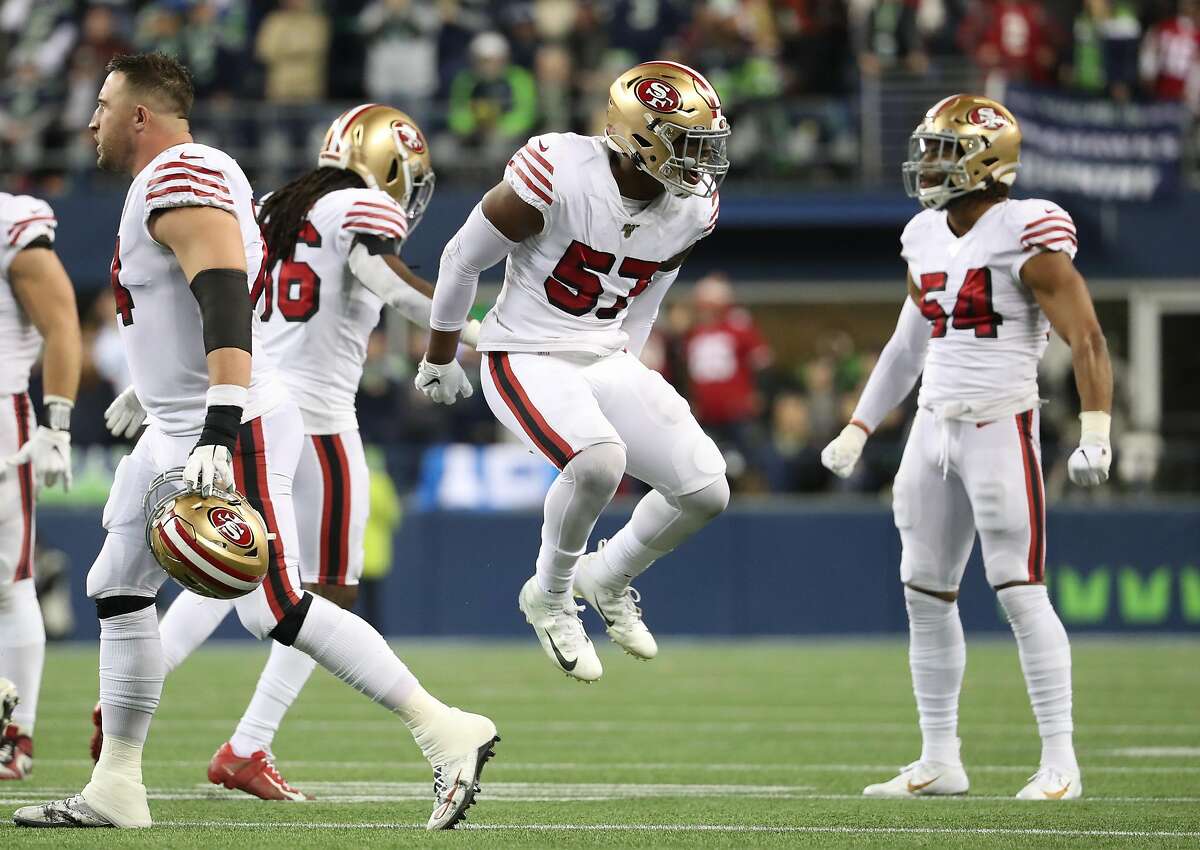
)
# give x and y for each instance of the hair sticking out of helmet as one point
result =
(668, 119)
(965, 143)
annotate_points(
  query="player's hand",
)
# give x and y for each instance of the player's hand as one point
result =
(470, 333)
(50, 452)
(443, 382)
(125, 415)
(209, 467)
(1088, 464)
(844, 450)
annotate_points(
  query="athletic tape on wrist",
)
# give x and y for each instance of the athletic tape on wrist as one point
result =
(1095, 422)
(57, 412)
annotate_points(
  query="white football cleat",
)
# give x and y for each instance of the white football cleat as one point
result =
(922, 779)
(458, 744)
(622, 617)
(557, 626)
(1050, 783)
(71, 812)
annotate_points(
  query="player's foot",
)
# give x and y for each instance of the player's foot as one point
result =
(619, 610)
(71, 812)
(9, 698)
(458, 744)
(16, 753)
(1050, 783)
(557, 626)
(921, 779)
(255, 774)
(97, 742)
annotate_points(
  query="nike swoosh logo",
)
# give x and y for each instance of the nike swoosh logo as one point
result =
(541, 147)
(913, 789)
(603, 616)
(433, 381)
(564, 663)
(1057, 795)
(185, 156)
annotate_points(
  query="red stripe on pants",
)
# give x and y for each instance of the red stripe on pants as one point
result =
(25, 481)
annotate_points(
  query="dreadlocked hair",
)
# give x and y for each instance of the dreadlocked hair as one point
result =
(284, 210)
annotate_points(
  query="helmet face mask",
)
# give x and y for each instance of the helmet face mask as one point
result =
(698, 162)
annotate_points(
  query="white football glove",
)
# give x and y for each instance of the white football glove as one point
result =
(50, 452)
(470, 333)
(209, 467)
(844, 450)
(443, 382)
(1088, 464)
(125, 415)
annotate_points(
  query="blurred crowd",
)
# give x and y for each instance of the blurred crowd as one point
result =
(482, 75)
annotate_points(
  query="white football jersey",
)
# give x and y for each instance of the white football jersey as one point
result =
(567, 288)
(317, 318)
(157, 315)
(988, 332)
(22, 220)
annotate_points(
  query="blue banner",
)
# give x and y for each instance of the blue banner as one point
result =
(1097, 148)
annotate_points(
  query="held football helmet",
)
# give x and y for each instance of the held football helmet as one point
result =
(964, 143)
(668, 120)
(216, 546)
(387, 150)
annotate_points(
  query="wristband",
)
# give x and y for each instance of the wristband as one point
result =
(859, 424)
(226, 394)
(56, 410)
(221, 424)
(1095, 422)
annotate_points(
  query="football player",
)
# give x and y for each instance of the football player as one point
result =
(333, 238)
(187, 251)
(987, 279)
(594, 229)
(37, 303)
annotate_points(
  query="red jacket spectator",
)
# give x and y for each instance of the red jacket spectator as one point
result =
(1015, 37)
(724, 351)
(1170, 52)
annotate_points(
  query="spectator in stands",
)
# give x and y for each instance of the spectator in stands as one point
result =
(1106, 46)
(158, 27)
(1170, 60)
(814, 45)
(493, 104)
(891, 33)
(29, 108)
(1015, 40)
(401, 38)
(820, 387)
(791, 461)
(293, 44)
(639, 28)
(38, 33)
(724, 355)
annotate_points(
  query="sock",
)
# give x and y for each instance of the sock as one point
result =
(1045, 655)
(22, 648)
(349, 648)
(131, 674)
(580, 492)
(282, 678)
(188, 623)
(937, 657)
(657, 526)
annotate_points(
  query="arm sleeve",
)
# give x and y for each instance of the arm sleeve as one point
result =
(900, 364)
(644, 310)
(478, 245)
(189, 179)
(373, 272)
(23, 220)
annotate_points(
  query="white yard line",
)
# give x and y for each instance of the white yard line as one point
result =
(1154, 752)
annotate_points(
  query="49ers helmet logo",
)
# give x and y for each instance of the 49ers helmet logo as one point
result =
(986, 117)
(659, 95)
(231, 526)
(409, 136)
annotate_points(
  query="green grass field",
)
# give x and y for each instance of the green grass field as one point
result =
(749, 744)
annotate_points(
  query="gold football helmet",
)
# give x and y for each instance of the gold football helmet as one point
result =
(217, 546)
(387, 150)
(965, 142)
(668, 120)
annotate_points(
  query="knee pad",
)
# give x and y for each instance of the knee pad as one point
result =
(707, 503)
(597, 470)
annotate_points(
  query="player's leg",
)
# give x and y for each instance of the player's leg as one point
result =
(933, 516)
(549, 404)
(22, 634)
(668, 450)
(189, 622)
(456, 743)
(1004, 479)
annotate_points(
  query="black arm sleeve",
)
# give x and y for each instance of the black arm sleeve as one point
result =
(225, 309)
(40, 242)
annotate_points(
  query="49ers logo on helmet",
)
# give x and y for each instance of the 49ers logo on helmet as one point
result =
(986, 117)
(409, 136)
(231, 526)
(659, 95)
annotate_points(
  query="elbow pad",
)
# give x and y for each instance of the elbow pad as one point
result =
(225, 309)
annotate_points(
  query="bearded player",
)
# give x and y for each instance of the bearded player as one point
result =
(37, 304)
(987, 279)
(594, 229)
(333, 237)
(180, 273)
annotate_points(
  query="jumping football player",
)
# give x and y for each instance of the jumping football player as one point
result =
(987, 279)
(37, 303)
(333, 237)
(594, 229)
(187, 251)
